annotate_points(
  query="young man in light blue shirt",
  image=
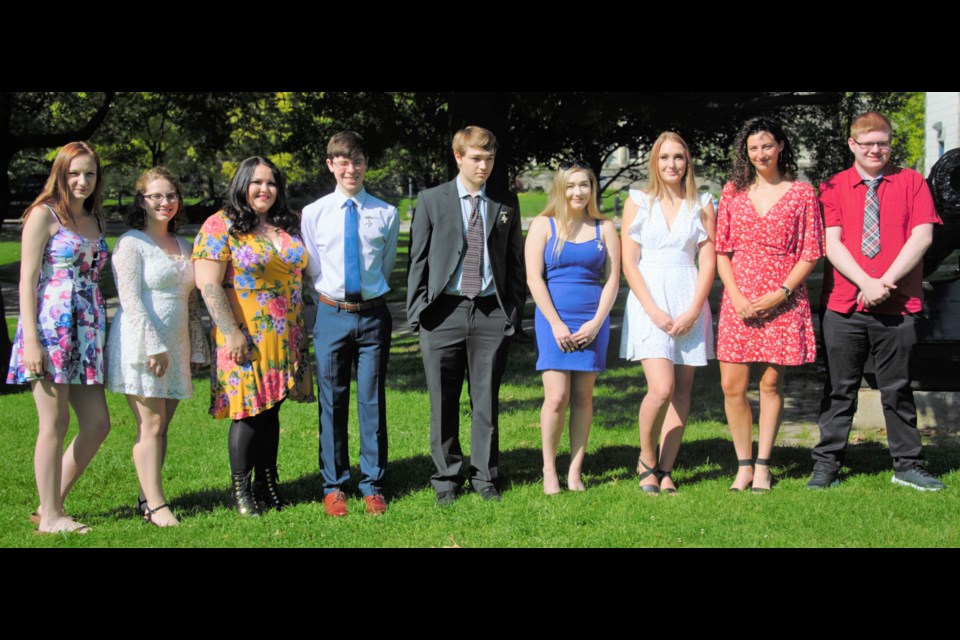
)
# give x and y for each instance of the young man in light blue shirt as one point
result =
(351, 237)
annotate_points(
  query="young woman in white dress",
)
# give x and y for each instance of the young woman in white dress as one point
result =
(667, 324)
(156, 338)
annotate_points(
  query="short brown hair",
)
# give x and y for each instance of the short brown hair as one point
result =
(347, 144)
(869, 121)
(474, 137)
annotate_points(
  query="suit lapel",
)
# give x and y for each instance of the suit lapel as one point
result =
(493, 211)
(453, 207)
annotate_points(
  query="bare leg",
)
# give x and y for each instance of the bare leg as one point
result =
(93, 421)
(581, 415)
(152, 421)
(676, 419)
(771, 409)
(653, 410)
(53, 412)
(734, 378)
(556, 397)
(171, 408)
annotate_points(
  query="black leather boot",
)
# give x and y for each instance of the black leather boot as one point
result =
(243, 495)
(267, 490)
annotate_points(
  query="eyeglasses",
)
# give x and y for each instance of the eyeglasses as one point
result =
(867, 146)
(157, 198)
(343, 165)
(573, 164)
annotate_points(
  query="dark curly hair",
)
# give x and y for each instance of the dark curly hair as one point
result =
(136, 214)
(238, 210)
(744, 173)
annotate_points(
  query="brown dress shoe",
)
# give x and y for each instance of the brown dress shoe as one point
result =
(376, 504)
(335, 503)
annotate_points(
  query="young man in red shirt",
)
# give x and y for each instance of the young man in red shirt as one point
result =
(879, 222)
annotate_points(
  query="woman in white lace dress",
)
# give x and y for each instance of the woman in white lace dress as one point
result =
(156, 337)
(667, 324)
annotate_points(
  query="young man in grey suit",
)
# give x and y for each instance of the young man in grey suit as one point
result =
(465, 294)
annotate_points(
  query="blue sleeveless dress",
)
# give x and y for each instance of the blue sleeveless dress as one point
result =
(573, 280)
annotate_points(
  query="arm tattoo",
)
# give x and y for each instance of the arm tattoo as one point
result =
(219, 307)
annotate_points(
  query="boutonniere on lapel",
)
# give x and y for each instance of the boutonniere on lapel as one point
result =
(504, 217)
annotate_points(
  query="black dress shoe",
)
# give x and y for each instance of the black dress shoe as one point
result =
(446, 498)
(490, 493)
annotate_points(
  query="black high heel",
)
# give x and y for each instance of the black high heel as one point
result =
(655, 472)
(743, 463)
(666, 474)
(765, 462)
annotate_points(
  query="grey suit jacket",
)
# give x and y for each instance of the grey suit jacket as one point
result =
(437, 244)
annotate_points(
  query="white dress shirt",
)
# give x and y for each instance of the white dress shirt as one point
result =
(322, 228)
(487, 286)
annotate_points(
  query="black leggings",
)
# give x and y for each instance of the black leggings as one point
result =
(255, 441)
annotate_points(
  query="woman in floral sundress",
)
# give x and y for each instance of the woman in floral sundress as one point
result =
(249, 261)
(58, 348)
(769, 238)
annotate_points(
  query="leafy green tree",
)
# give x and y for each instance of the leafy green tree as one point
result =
(32, 122)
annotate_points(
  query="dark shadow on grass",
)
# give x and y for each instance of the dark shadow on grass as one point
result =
(519, 467)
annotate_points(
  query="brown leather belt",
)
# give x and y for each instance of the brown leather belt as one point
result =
(353, 307)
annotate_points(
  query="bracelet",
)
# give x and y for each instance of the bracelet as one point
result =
(786, 291)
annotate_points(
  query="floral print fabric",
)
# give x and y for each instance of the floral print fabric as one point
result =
(764, 249)
(267, 283)
(71, 318)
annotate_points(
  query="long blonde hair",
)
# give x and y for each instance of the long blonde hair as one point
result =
(557, 202)
(688, 183)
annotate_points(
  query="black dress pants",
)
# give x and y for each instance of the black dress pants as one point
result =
(848, 338)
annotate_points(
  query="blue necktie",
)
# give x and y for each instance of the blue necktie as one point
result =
(351, 254)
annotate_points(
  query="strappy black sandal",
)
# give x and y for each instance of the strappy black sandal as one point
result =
(655, 472)
(661, 474)
(765, 462)
(742, 463)
(148, 513)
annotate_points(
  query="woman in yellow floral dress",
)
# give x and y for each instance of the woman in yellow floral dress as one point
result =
(249, 261)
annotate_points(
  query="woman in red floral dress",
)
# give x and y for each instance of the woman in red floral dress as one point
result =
(769, 237)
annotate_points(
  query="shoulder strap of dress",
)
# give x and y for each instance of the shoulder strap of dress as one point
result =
(553, 227)
(596, 226)
(99, 225)
(54, 212)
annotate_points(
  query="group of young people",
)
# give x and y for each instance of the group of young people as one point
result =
(873, 222)
(469, 273)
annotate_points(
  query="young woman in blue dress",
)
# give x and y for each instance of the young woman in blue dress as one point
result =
(573, 272)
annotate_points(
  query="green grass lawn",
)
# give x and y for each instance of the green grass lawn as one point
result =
(865, 511)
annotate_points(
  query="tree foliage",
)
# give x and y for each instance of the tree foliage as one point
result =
(201, 136)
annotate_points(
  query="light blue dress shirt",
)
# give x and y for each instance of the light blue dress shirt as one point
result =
(487, 286)
(322, 228)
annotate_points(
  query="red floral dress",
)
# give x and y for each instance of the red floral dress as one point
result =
(763, 251)
(268, 285)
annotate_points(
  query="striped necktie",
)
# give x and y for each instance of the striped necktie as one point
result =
(871, 220)
(473, 258)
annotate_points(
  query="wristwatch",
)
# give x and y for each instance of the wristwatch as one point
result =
(786, 291)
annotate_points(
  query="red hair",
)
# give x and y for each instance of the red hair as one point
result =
(56, 192)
